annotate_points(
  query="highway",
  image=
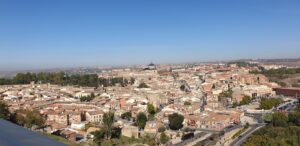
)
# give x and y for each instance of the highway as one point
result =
(241, 139)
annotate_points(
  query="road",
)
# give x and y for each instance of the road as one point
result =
(199, 139)
(195, 138)
(226, 138)
(204, 134)
(240, 140)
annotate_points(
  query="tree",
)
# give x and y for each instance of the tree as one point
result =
(275, 136)
(132, 80)
(126, 115)
(98, 136)
(143, 85)
(34, 118)
(108, 121)
(163, 138)
(4, 112)
(175, 121)
(268, 118)
(182, 87)
(281, 131)
(245, 100)
(297, 109)
(61, 78)
(28, 118)
(294, 118)
(279, 120)
(151, 109)
(187, 103)
(116, 132)
(234, 105)
(268, 103)
(87, 98)
(227, 93)
(141, 120)
(161, 129)
(246, 126)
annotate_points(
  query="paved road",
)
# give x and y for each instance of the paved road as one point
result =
(197, 136)
(240, 140)
(199, 139)
(207, 130)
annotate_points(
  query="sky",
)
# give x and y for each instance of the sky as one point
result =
(40, 34)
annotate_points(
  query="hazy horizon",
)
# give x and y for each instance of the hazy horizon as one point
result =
(68, 34)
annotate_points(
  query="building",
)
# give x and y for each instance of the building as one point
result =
(94, 116)
(151, 127)
(130, 131)
(61, 118)
(212, 120)
(291, 92)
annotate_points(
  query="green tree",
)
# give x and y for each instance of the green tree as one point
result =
(61, 78)
(268, 118)
(227, 93)
(143, 85)
(269, 103)
(132, 80)
(108, 121)
(245, 100)
(93, 95)
(297, 109)
(34, 118)
(175, 121)
(246, 126)
(141, 120)
(294, 118)
(28, 118)
(126, 115)
(151, 109)
(182, 87)
(87, 98)
(161, 129)
(116, 132)
(235, 104)
(187, 103)
(98, 136)
(275, 136)
(279, 120)
(4, 112)
(163, 138)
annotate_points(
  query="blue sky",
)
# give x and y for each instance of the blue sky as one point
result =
(38, 34)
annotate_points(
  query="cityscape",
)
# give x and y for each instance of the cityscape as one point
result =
(141, 73)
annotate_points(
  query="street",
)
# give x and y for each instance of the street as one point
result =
(242, 138)
(195, 138)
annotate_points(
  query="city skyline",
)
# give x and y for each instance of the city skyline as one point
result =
(43, 34)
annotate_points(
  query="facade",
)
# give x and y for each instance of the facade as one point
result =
(290, 92)
(151, 127)
(130, 131)
(94, 116)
